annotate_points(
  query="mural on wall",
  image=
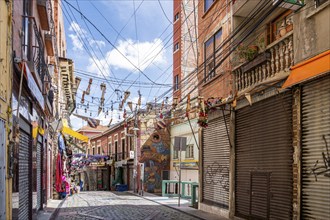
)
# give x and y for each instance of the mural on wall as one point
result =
(155, 154)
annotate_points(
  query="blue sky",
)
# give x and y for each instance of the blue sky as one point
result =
(137, 40)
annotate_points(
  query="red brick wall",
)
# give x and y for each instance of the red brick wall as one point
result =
(177, 38)
(209, 23)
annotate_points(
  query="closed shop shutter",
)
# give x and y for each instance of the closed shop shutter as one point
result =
(316, 149)
(216, 163)
(25, 176)
(39, 175)
(263, 185)
(2, 169)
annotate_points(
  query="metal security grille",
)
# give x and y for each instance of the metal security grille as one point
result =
(316, 149)
(216, 163)
(2, 169)
(263, 171)
(25, 176)
(39, 176)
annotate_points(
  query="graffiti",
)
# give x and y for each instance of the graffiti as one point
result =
(217, 174)
(322, 168)
(155, 156)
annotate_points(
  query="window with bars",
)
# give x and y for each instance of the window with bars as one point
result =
(190, 151)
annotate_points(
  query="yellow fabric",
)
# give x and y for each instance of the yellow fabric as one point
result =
(74, 134)
(39, 129)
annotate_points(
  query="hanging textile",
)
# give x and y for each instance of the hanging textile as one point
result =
(58, 183)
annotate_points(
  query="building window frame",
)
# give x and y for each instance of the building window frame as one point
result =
(318, 3)
(208, 4)
(176, 82)
(176, 47)
(190, 151)
(210, 47)
(176, 16)
(175, 154)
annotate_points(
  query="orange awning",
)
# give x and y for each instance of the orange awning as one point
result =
(308, 69)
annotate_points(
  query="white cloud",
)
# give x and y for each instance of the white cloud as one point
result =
(100, 43)
(77, 45)
(130, 54)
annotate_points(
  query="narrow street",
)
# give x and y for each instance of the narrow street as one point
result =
(118, 205)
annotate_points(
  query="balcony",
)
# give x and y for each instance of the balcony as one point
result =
(242, 8)
(42, 7)
(270, 66)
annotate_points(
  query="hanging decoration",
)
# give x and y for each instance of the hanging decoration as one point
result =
(89, 86)
(130, 105)
(103, 88)
(92, 122)
(202, 116)
(83, 98)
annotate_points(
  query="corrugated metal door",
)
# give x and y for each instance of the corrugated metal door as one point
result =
(216, 163)
(316, 149)
(25, 176)
(2, 169)
(39, 174)
(263, 172)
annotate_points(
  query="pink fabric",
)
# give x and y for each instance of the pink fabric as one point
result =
(58, 182)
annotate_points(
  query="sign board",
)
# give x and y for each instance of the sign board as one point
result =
(131, 154)
(34, 88)
(180, 141)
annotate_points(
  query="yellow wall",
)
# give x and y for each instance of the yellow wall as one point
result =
(6, 81)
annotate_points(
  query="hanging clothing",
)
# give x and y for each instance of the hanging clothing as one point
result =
(61, 144)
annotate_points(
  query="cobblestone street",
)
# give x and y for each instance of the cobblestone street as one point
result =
(109, 205)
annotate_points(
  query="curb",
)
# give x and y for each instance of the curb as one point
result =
(187, 213)
(57, 210)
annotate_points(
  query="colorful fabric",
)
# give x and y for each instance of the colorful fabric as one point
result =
(59, 173)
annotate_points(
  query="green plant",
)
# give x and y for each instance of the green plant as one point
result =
(247, 52)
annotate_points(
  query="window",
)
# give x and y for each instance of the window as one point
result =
(116, 150)
(207, 4)
(176, 47)
(176, 17)
(176, 82)
(175, 154)
(99, 150)
(93, 150)
(110, 148)
(88, 151)
(26, 37)
(281, 25)
(190, 151)
(210, 58)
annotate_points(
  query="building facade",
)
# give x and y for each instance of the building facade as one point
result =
(5, 107)
(185, 63)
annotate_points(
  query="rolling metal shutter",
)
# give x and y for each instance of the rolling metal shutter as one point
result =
(3, 169)
(263, 186)
(25, 176)
(216, 163)
(39, 175)
(316, 149)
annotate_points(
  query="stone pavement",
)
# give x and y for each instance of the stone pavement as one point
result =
(185, 204)
(120, 205)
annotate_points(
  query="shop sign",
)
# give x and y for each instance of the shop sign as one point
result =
(34, 88)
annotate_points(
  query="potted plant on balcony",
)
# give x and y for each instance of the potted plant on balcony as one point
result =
(247, 53)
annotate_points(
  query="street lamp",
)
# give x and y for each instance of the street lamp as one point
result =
(135, 129)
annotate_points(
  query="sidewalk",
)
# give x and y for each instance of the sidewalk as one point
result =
(172, 202)
(51, 210)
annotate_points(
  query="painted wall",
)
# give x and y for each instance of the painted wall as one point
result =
(155, 154)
